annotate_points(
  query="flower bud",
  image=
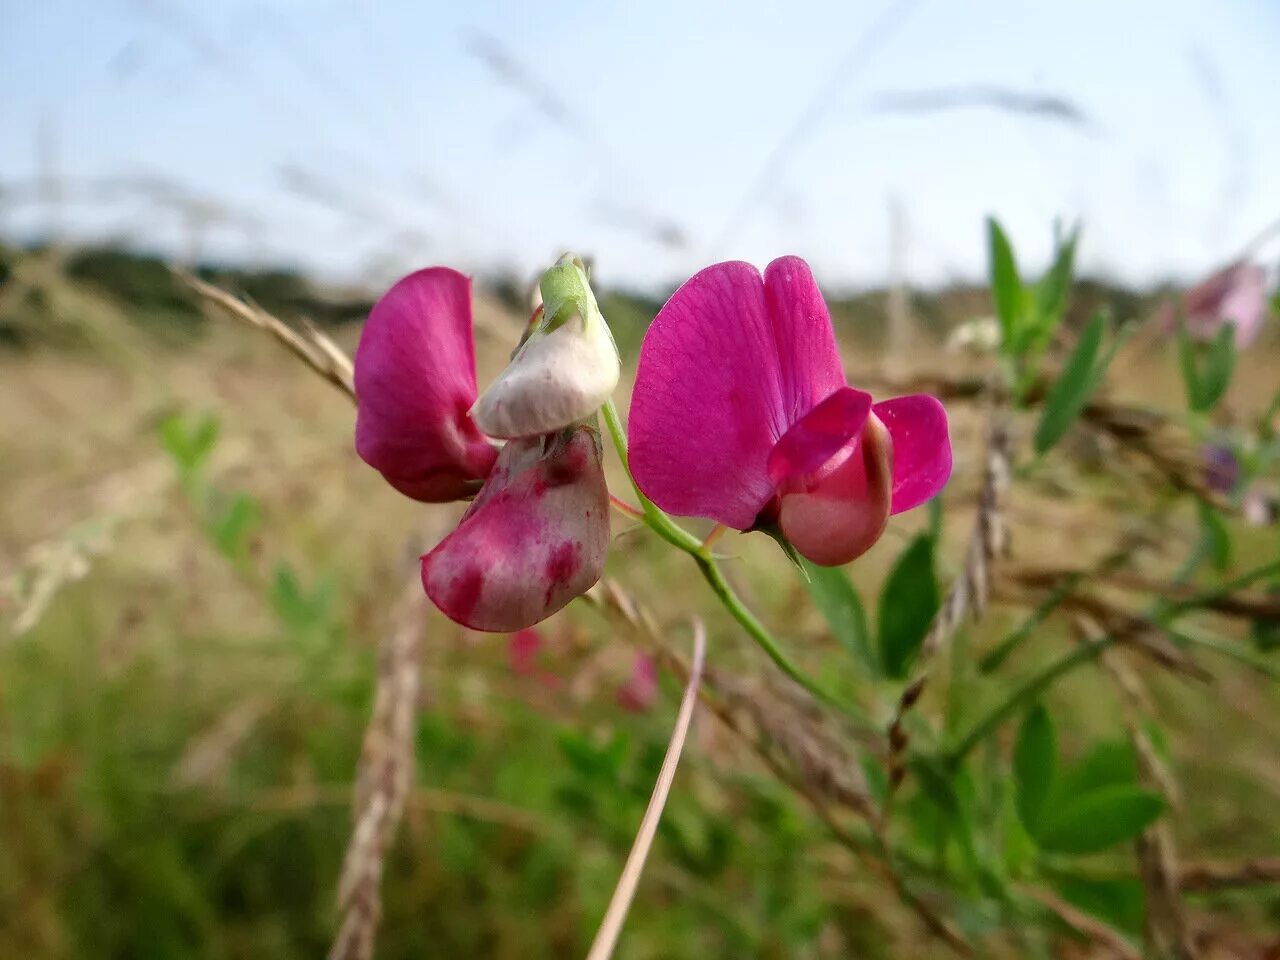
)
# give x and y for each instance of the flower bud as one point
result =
(565, 369)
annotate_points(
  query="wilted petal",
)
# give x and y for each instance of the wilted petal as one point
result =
(921, 448)
(729, 363)
(841, 513)
(534, 538)
(415, 378)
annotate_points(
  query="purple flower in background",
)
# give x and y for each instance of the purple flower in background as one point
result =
(537, 532)
(741, 413)
(1221, 468)
(1236, 294)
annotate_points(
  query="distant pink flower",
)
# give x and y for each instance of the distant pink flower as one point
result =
(640, 690)
(741, 413)
(1236, 294)
(536, 534)
(523, 648)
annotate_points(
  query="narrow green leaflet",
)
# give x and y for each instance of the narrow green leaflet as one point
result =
(907, 606)
(1206, 384)
(838, 601)
(1052, 290)
(1097, 820)
(1035, 762)
(1069, 394)
(1006, 286)
(1219, 365)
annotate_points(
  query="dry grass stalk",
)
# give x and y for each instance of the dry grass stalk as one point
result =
(1212, 875)
(311, 346)
(383, 780)
(972, 588)
(1083, 924)
(817, 773)
(611, 926)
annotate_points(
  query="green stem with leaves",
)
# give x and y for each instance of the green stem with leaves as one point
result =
(662, 524)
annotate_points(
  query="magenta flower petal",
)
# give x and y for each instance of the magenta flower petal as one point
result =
(921, 448)
(534, 538)
(840, 513)
(813, 443)
(415, 377)
(728, 365)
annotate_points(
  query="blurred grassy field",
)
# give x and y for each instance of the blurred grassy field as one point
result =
(176, 757)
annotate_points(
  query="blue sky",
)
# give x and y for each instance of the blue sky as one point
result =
(362, 139)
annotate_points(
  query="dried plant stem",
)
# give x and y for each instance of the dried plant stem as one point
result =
(311, 346)
(782, 733)
(970, 591)
(1083, 924)
(1206, 876)
(611, 926)
(382, 784)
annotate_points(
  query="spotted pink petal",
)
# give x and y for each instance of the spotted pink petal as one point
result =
(534, 538)
(921, 448)
(415, 377)
(728, 365)
(837, 514)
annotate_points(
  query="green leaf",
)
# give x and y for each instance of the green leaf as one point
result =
(189, 443)
(231, 528)
(1079, 378)
(1097, 820)
(1053, 288)
(1035, 763)
(838, 601)
(1006, 286)
(1219, 365)
(1187, 363)
(1111, 763)
(1214, 535)
(1118, 901)
(907, 606)
(295, 607)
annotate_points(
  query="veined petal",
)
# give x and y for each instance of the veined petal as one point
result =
(803, 337)
(728, 365)
(840, 514)
(921, 448)
(534, 538)
(415, 378)
(1235, 294)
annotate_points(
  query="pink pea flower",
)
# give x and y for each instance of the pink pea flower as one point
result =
(741, 413)
(1236, 294)
(536, 534)
(640, 690)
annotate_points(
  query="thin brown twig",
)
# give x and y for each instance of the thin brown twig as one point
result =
(970, 591)
(311, 346)
(384, 776)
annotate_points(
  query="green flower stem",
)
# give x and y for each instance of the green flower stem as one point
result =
(1160, 615)
(662, 524)
(1030, 688)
